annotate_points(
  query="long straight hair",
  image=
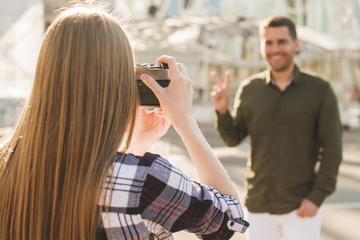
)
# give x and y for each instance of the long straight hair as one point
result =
(81, 109)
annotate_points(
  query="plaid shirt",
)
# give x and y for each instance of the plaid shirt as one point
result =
(148, 198)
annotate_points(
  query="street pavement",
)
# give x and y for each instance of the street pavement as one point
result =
(340, 212)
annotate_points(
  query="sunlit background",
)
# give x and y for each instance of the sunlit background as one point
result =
(211, 35)
(205, 35)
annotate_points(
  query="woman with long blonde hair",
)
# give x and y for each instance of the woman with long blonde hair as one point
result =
(63, 174)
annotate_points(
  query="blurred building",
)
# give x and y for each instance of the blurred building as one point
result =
(21, 29)
(204, 34)
(222, 35)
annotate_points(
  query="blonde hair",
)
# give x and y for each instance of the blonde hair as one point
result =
(81, 109)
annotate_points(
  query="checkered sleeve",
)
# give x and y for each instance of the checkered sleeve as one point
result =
(148, 196)
(172, 200)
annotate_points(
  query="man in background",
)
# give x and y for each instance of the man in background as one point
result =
(293, 122)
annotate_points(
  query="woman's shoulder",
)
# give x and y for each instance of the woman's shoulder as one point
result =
(131, 174)
(126, 179)
(149, 165)
(129, 166)
(130, 159)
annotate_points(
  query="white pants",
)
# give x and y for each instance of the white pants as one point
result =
(265, 226)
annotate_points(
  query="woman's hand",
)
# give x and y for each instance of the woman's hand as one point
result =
(149, 127)
(176, 102)
(175, 99)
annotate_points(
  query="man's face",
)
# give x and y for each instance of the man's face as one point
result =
(278, 48)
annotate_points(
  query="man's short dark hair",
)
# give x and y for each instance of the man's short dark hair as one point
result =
(278, 21)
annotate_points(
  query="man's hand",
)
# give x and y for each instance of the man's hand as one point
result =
(307, 208)
(220, 93)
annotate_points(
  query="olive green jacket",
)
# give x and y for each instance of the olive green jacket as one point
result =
(290, 132)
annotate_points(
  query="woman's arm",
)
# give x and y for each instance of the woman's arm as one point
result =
(209, 168)
(176, 103)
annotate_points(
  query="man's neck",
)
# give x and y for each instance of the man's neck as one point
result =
(283, 78)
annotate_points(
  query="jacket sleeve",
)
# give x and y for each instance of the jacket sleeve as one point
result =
(172, 200)
(329, 135)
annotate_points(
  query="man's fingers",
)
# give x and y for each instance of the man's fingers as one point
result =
(300, 212)
(227, 80)
(218, 82)
(216, 79)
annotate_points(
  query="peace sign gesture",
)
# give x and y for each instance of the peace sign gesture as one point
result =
(220, 93)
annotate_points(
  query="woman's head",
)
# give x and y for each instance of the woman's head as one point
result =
(82, 107)
(85, 71)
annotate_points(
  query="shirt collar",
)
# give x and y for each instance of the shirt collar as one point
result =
(295, 79)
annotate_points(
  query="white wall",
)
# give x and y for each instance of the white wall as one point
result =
(21, 31)
(20, 39)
